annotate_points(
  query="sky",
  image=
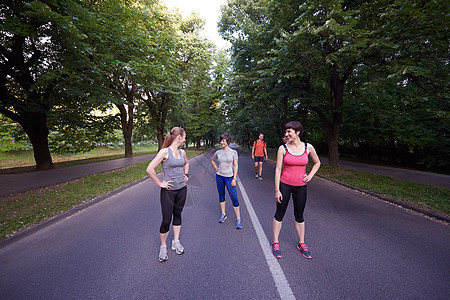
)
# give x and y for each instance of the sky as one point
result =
(209, 10)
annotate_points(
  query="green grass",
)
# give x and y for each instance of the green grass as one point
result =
(24, 160)
(23, 210)
(428, 197)
(424, 196)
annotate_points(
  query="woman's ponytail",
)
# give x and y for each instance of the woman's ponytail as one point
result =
(176, 131)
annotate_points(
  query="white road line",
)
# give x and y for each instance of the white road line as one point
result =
(284, 290)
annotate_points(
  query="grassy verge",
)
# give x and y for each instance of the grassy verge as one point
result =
(427, 197)
(23, 161)
(23, 210)
(420, 195)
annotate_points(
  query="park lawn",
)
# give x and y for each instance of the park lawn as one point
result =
(25, 158)
(424, 196)
(23, 210)
(427, 197)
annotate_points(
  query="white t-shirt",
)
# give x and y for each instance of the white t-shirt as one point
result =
(225, 160)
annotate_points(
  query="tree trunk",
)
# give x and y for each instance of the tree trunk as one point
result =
(126, 119)
(284, 103)
(337, 94)
(160, 137)
(333, 148)
(35, 126)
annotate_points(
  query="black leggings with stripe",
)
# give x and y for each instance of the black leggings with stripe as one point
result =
(172, 204)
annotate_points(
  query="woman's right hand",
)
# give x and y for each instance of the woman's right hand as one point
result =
(278, 196)
(166, 184)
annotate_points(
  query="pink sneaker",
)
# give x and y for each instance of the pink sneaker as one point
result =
(276, 250)
(304, 250)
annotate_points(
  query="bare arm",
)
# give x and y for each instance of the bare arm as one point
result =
(280, 155)
(162, 154)
(265, 151)
(316, 161)
(213, 162)
(253, 152)
(186, 165)
(235, 169)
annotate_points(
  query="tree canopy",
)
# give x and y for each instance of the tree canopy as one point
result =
(367, 79)
(373, 74)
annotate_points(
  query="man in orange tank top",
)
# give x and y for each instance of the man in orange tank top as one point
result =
(258, 151)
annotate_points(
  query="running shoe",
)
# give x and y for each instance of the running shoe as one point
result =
(163, 253)
(177, 247)
(256, 175)
(223, 217)
(238, 223)
(304, 250)
(276, 250)
(260, 178)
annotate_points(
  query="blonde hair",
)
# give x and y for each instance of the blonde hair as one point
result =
(176, 131)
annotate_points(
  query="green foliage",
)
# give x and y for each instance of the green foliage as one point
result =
(370, 77)
(12, 137)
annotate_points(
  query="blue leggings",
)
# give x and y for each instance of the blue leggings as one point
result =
(221, 182)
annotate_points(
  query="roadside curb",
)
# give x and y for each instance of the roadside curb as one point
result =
(55, 219)
(398, 202)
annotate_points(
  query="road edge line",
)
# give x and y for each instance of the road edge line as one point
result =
(284, 290)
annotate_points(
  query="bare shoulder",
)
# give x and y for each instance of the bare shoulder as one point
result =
(310, 148)
(163, 153)
(282, 150)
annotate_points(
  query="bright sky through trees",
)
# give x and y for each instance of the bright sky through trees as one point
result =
(209, 10)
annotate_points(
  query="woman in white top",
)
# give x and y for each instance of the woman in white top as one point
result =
(226, 173)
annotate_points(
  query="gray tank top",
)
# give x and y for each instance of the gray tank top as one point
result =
(174, 170)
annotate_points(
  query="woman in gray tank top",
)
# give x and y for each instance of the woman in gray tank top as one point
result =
(173, 187)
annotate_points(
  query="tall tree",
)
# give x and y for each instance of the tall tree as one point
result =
(41, 47)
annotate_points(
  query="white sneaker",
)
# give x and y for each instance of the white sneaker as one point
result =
(256, 176)
(177, 247)
(163, 253)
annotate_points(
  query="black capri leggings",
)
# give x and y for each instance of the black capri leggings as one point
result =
(172, 203)
(299, 198)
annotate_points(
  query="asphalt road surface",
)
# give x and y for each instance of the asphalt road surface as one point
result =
(362, 247)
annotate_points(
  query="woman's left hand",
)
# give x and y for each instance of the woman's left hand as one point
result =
(186, 178)
(233, 182)
(307, 178)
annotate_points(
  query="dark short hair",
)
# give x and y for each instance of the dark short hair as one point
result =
(294, 125)
(226, 137)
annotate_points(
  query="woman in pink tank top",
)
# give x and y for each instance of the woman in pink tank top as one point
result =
(291, 179)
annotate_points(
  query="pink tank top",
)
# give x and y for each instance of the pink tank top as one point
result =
(294, 168)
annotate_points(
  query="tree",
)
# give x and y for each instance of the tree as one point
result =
(318, 54)
(41, 48)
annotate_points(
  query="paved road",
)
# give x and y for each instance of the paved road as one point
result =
(363, 248)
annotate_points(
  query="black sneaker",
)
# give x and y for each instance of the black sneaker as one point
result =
(276, 250)
(304, 250)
